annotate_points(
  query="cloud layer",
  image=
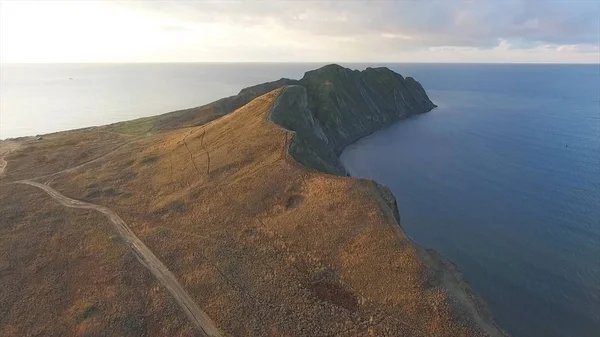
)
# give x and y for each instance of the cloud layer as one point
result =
(425, 30)
(389, 28)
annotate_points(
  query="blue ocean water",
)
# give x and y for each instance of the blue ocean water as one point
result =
(503, 178)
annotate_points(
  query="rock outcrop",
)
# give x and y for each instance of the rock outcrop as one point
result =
(245, 95)
(350, 104)
(332, 107)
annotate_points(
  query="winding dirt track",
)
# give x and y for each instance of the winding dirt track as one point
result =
(3, 164)
(6, 147)
(204, 324)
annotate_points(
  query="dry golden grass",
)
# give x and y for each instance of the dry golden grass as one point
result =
(65, 273)
(58, 151)
(264, 246)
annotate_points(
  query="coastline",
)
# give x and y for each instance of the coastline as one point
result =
(447, 273)
(311, 148)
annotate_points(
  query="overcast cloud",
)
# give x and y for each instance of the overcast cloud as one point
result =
(428, 22)
(426, 30)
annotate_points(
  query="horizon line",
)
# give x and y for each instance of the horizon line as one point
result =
(295, 62)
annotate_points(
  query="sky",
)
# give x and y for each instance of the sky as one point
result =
(515, 31)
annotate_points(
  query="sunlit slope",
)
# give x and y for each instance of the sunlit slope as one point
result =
(265, 245)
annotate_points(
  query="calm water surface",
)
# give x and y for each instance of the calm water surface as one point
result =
(503, 178)
(42, 98)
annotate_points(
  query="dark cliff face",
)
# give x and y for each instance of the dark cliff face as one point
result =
(311, 146)
(229, 104)
(333, 107)
(247, 94)
(350, 104)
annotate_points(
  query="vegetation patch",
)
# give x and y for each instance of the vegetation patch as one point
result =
(335, 294)
(87, 311)
(162, 232)
(134, 127)
(97, 191)
(293, 201)
(149, 160)
(177, 206)
(159, 212)
(133, 324)
(129, 176)
(116, 239)
(127, 163)
(110, 192)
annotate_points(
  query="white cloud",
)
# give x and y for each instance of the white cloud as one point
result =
(403, 31)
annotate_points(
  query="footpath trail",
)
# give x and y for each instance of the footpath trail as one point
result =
(6, 147)
(204, 324)
(2, 164)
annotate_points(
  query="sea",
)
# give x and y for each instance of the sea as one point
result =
(503, 178)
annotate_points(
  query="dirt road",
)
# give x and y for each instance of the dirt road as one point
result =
(204, 324)
(6, 147)
(2, 164)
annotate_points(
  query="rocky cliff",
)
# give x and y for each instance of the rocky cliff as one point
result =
(246, 95)
(332, 107)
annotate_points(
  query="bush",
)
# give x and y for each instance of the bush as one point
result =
(88, 310)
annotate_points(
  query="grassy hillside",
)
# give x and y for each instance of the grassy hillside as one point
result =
(264, 245)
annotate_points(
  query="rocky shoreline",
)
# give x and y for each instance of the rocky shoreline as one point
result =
(325, 119)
